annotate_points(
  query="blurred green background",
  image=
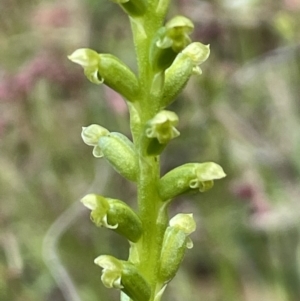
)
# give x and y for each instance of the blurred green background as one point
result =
(243, 113)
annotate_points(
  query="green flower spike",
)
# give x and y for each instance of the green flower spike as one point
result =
(91, 135)
(175, 243)
(183, 67)
(159, 131)
(188, 177)
(125, 276)
(114, 214)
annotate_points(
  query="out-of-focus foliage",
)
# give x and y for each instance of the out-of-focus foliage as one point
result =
(242, 113)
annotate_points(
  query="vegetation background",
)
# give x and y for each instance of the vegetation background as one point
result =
(243, 113)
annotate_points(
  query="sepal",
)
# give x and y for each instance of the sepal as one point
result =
(120, 152)
(188, 177)
(114, 214)
(175, 243)
(125, 276)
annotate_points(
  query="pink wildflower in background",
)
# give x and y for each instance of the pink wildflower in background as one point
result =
(51, 16)
(115, 101)
(45, 65)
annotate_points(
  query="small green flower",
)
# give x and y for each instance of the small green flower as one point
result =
(169, 41)
(177, 34)
(125, 276)
(91, 135)
(114, 214)
(206, 173)
(89, 60)
(198, 53)
(99, 207)
(162, 127)
(188, 177)
(183, 221)
(112, 271)
(108, 69)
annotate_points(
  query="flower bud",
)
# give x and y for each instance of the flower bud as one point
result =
(175, 243)
(107, 68)
(120, 152)
(189, 177)
(185, 64)
(90, 136)
(134, 8)
(125, 276)
(114, 214)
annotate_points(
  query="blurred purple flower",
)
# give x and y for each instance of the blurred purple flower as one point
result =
(45, 65)
(115, 101)
(51, 16)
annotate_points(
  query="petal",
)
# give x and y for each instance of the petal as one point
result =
(85, 57)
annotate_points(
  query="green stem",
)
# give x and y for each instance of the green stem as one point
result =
(151, 210)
